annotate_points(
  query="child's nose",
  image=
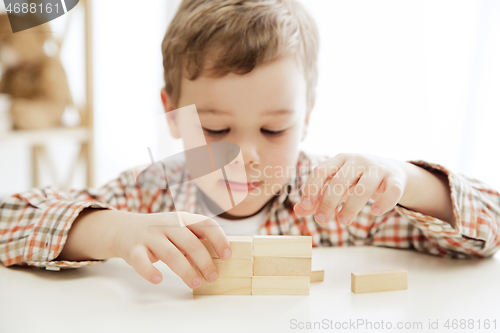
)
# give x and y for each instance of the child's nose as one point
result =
(249, 151)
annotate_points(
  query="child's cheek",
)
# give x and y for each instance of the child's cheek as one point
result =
(283, 162)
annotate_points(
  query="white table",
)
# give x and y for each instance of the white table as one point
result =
(112, 298)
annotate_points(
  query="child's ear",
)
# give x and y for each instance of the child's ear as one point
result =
(308, 114)
(166, 100)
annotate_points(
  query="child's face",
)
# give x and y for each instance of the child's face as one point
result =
(264, 112)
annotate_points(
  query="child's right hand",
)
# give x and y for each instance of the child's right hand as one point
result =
(159, 236)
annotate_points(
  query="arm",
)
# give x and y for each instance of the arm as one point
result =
(428, 192)
(34, 225)
(475, 230)
(92, 235)
(423, 206)
(421, 224)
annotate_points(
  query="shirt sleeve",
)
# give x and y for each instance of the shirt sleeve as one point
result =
(476, 209)
(34, 225)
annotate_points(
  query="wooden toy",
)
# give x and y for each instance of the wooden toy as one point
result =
(317, 276)
(281, 266)
(282, 246)
(226, 286)
(241, 247)
(377, 281)
(263, 265)
(234, 267)
(280, 285)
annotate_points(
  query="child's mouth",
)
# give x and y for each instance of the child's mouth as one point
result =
(240, 187)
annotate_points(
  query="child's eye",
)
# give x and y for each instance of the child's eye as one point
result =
(216, 133)
(271, 133)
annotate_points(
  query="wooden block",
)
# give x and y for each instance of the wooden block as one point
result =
(281, 266)
(234, 267)
(280, 285)
(317, 276)
(241, 247)
(282, 246)
(226, 286)
(377, 281)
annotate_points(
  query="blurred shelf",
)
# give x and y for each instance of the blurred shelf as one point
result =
(83, 134)
(79, 134)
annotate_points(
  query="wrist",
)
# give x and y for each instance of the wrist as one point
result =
(97, 239)
(124, 230)
(413, 173)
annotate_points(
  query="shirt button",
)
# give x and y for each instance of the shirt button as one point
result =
(435, 227)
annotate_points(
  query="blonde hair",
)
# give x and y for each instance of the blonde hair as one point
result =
(217, 37)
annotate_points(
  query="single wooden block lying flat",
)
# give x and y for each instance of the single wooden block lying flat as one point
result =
(282, 246)
(226, 286)
(317, 276)
(281, 266)
(377, 281)
(241, 247)
(280, 285)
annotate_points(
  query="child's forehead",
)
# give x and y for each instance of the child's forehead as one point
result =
(281, 78)
(276, 114)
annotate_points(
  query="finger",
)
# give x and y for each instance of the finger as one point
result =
(360, 195)
(394, 190)
(173, 258)
(187, 242)
(318, 178)
(333, 192)
(140, 260)
(300, 211)
(152, 257)
(211, 230)
(376, 196)
(191, 262)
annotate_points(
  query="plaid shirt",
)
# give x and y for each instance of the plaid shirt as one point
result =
(34, 224)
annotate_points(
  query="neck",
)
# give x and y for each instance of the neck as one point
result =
(212, 206)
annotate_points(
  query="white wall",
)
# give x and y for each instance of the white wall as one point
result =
(410, 80)
(128, 78)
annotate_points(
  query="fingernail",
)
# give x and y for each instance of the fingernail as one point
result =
(306, 203)
(196, 282)
(320, 218)
(213, 277)
(377, 210)
(156, 279)
(226, 254)
(343, 220)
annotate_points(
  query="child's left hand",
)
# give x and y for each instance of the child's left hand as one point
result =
(353, 179)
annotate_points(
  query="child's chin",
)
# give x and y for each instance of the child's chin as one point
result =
(245, 208)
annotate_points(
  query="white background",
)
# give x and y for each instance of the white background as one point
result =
(401, 79)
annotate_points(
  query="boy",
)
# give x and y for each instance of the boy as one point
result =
(250, 67)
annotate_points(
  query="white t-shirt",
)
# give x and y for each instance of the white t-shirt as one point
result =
(243, 227)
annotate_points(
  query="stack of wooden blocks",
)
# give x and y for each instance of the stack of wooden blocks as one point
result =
(262, 265)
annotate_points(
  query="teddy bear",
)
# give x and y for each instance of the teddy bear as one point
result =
(31, 73)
